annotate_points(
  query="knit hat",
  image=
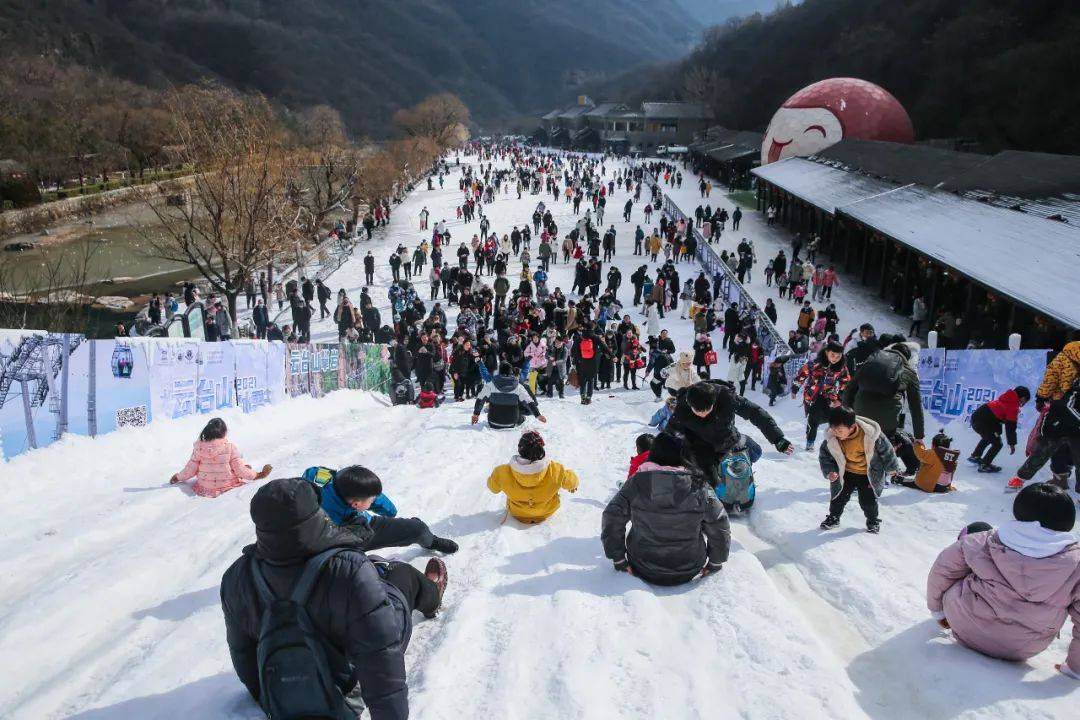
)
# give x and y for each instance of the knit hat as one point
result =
(283, 504)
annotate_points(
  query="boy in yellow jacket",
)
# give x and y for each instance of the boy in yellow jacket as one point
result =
(531, 481)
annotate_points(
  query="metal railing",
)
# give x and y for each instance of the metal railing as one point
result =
(772, 341)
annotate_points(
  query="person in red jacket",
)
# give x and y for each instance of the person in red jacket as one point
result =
(643, 445)
(989, 419)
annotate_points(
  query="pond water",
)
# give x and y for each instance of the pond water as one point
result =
(117, 247)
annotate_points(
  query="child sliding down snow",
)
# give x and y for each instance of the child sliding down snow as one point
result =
(937, 464)
(531, 481)
(352, 497)
(855, 457)
(1006, 593)
(216, 463)
(428, 398)
(643, 445)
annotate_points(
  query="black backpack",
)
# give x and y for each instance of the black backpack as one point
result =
(295, 681)
(880, 374)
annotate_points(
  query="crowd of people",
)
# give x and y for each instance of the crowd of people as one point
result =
(516, 341)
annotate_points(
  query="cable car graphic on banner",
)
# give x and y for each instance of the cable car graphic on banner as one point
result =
(123, 361)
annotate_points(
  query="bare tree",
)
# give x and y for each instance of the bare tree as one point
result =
(443, 118)
(239, 209)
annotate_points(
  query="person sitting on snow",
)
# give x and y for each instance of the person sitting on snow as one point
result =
(352, 497)
(508, 398)
(1006, 592)
(531, 481)
(937, 465)
(678, 527)
(216, 463)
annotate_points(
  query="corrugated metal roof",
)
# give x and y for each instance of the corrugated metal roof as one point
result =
(1029, 259)
(898, 162)
(820, 185)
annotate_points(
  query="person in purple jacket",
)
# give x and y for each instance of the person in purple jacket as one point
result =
(1006, 592)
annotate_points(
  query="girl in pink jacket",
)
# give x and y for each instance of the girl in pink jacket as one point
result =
(216, 463)
(1006, 592)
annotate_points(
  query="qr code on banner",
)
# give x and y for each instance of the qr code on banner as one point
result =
(131, 417)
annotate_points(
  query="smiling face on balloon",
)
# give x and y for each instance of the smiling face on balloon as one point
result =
(799, 132)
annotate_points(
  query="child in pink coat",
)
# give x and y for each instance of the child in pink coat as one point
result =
(216, 463)
(1006, 592)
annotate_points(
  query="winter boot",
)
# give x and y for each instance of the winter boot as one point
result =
(873, 526)
(975, 460)
(829, 522)
(1061, 480)
(444, 545)
(1015, 485)
(988, 468)
(436, 573)
(809, 445)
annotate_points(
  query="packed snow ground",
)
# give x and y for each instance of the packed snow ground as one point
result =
(110, 610)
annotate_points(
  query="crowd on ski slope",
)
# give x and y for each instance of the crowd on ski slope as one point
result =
(1005, 592)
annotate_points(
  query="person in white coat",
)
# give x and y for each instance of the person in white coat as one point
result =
(652, 319)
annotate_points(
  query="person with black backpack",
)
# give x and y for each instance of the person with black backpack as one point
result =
(315, 626)
(586, 353)
(878, 388)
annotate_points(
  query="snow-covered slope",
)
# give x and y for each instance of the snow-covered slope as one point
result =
(109, 605)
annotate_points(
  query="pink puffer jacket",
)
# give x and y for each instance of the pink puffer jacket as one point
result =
(1006, 592)
(537, 354)
(217, 467)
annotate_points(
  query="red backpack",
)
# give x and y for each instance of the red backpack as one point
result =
(587, 350)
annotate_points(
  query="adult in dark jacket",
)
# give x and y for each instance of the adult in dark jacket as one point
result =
(705, 415)
(887, 408)
(361, 607)
(261, 318)
(586, 353)
(678, 527)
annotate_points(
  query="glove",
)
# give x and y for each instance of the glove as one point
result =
(710, 568)
(475, 419)
(622, 565)
(784, 446)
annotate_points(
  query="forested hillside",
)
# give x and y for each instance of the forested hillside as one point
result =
(365, 57)
(999, 71)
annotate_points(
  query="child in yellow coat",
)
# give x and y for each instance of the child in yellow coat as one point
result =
(531, 481)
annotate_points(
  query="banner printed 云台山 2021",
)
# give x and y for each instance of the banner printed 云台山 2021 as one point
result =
(953, 383)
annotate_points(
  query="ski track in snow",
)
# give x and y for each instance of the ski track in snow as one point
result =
(110, 609)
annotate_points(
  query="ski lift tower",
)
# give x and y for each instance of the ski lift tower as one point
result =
(36, 363)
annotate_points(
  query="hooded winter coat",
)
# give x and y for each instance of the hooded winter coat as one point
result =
(682, 373)
(880, 456)
(532, 488)
(1006, 592)
(364, 621)
(217, 467)
(1060, 373)
(885, 409)
(677, 525)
